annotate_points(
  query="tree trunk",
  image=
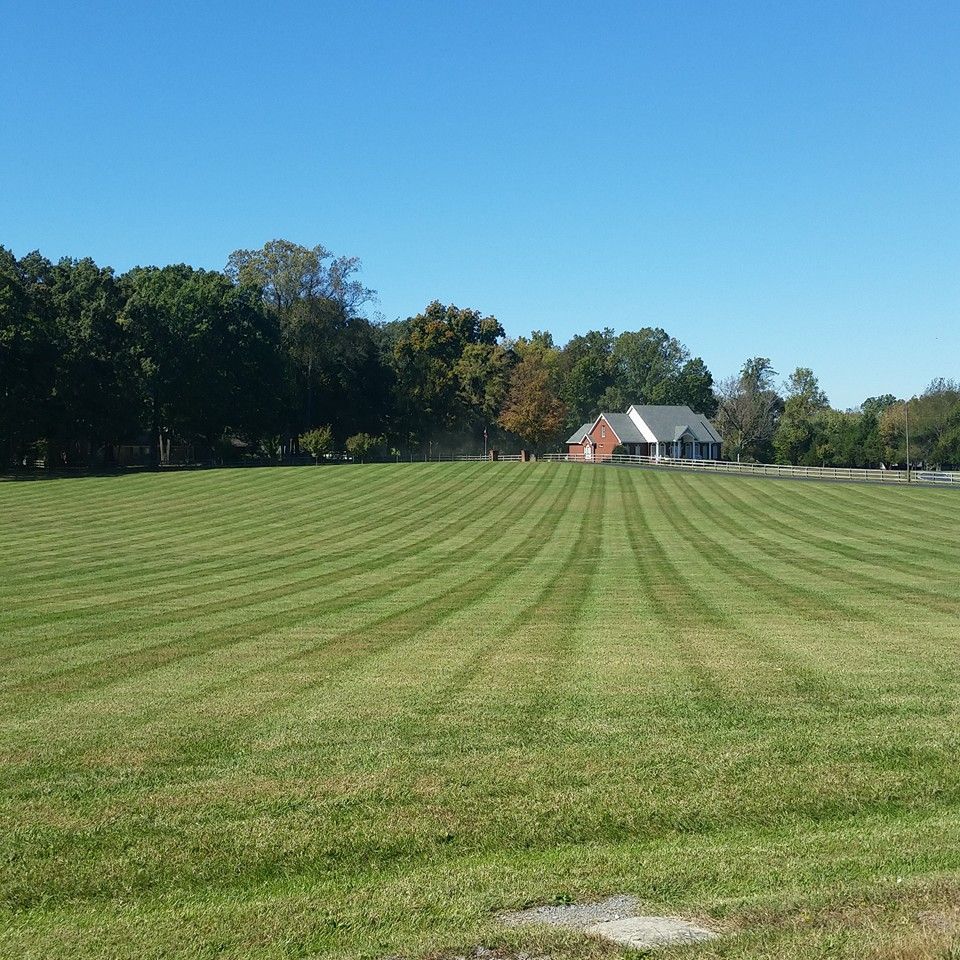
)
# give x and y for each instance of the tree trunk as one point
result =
(309, 423)
(156, 452)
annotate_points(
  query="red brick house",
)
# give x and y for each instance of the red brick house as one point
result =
(647, 430)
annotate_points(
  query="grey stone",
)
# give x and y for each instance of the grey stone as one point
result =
(615, 919)
(647, 933)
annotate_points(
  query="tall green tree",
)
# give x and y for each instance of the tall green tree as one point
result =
(606, 372)
(200, 342)
(646, 364)
(95, 374)
(846, 439)
(588, 376)
(27, 352)
(794, 439)
(749, 408)
(451, 370)
(693, 386)
(934, 424)
(483, 378)
(876, 405)
(288, 273)
(334, 368)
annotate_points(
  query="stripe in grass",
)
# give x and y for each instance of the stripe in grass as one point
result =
(234, 550)
(108, 669)
(523, 608)
(352, 642)
(830, 526)
(141, 620)
(669, 591)
(830, 572)
(345, 652)
(783, 594)
(149, 548)
(753, 574)
(294, 560)
(285, 774)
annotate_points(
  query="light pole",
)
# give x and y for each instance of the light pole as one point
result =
(484, 443)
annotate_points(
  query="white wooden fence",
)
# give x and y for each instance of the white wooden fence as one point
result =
(774, 469)
(459, 459)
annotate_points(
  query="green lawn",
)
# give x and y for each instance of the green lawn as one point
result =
(354, 711)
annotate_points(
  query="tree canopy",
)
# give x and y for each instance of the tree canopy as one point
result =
(276, 355)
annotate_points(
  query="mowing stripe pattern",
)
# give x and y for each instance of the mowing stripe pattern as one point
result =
(353, 711)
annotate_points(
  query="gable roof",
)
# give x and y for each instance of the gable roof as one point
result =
(581, 432)
(668, 423)
(625, 430)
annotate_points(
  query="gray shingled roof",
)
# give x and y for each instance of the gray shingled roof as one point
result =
(624, 427)
(668, 423)
(578, 435)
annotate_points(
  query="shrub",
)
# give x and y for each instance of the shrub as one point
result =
(317, 442)
(362, 445)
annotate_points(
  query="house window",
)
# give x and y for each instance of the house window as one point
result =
(603, 431)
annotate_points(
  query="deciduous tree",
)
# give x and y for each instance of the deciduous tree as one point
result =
(749, 407)
(318, 298)
(317, 442)
(794, 439)
(362, 445)
(451, 369)
(200, 342)
(532, 410)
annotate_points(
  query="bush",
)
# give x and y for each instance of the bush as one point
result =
(363, 445)
(317, 442)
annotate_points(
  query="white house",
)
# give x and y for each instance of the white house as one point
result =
(648, 430)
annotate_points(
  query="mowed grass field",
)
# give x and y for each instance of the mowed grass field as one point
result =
(353, 712)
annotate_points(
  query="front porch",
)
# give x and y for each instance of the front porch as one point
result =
(686, 449)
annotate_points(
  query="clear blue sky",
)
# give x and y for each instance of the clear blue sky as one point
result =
(757, 178)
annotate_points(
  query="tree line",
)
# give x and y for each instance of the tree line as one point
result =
(796, 424)
(275, 355)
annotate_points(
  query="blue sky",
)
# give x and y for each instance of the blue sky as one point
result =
(758, 178)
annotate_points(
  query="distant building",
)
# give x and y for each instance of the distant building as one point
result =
(648, 430)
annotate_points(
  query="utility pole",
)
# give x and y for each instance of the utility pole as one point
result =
(906, 417)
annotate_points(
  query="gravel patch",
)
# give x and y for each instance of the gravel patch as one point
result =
(616, 919)
(576, 916)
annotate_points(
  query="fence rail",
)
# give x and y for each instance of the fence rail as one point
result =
(775, 469)
(458, 459)
(860, 474)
